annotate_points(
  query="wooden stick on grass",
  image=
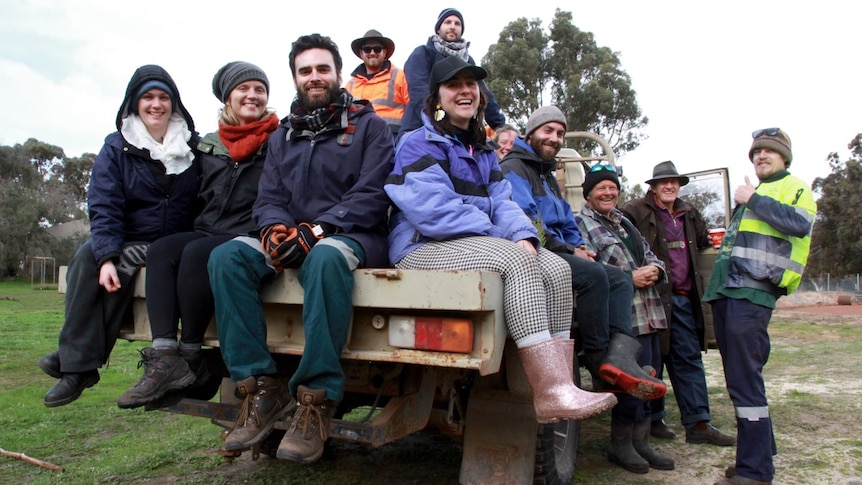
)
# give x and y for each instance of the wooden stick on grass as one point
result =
(22, 456)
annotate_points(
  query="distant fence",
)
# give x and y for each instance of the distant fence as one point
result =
(827, 288)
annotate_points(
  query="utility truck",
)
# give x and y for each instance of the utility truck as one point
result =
(427, 352)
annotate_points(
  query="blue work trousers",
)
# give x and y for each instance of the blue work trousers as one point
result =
(743, 340)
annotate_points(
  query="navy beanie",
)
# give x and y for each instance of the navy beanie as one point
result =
(447, 12)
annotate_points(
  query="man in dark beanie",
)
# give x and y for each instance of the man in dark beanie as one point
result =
(762, 257)
(603, 293)
(676, 231)
(446, 41)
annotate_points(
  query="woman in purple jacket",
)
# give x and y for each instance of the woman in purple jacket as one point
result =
(453, 211)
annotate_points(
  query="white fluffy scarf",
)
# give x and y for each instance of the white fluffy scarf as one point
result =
(174, 153)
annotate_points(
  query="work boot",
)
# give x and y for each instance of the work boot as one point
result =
(619, 367)
(70, 387)
(164, 371)
(309, 428)
(555, 395)
(660, 429)
(738, 480)
(703, 432)
(265, 401)
(593, 359)
(622, 451)
(203, 388)
(640, 441)
(50, 364)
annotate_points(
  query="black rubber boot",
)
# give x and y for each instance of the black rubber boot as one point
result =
(620, 367)
(622, 451)
(640, 440)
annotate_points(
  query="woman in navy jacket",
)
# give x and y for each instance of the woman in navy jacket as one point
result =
(177, 278)
(454, 211)
(143, 186)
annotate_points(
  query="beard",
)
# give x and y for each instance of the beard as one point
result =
(545, 151)
(312, 103)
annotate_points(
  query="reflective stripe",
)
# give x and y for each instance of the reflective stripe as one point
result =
(753, 414)
(770, 258)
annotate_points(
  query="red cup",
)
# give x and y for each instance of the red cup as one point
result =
(715, 236)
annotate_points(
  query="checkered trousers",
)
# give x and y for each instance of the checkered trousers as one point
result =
(537, 291)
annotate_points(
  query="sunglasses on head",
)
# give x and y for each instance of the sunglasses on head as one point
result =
(601, 166)
(376, 48)
(765, 132)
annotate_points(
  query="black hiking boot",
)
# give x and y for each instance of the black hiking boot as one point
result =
(164, 371)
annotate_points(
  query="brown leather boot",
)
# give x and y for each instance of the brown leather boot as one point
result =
(303, 442)
(555, 396)
(265, 402)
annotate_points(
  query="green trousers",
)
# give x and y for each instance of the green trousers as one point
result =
(239, 270)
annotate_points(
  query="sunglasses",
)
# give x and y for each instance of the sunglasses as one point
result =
(601, 166)
(765, 132)
(367, 49)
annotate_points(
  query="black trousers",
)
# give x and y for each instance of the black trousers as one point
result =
(94, 316)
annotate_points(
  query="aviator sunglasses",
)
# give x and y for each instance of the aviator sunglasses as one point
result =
(765, 132)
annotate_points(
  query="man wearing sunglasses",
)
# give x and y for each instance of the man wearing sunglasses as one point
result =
(378, 80)
(675, 232)
(762, 257)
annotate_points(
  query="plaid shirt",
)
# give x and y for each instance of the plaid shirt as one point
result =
(602, 235)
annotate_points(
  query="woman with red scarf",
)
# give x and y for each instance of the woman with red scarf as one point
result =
(177, 280)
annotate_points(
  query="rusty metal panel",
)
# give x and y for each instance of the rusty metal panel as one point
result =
(499, 439)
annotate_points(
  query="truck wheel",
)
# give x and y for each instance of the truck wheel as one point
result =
(557, 447)
(556, 452)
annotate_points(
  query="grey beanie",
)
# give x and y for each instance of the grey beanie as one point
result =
(543, 115)
(233, 74)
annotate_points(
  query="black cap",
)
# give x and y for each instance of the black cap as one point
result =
(450, 67)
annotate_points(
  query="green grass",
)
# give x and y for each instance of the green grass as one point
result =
(812, 383)
(92, 439)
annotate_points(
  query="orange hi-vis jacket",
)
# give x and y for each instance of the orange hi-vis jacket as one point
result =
(386, 90)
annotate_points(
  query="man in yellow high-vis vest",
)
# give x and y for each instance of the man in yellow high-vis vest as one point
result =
(762, 258)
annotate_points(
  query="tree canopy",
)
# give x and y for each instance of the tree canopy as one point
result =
(585, 81)
(39, 187)
(836, 244)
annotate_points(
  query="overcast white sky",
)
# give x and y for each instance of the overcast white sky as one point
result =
(706, 73)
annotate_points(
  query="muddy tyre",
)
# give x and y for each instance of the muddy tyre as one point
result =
(557, 448)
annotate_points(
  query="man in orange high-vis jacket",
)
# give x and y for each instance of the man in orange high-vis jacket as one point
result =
(378, 80)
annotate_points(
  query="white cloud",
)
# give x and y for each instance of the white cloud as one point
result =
(706, 74)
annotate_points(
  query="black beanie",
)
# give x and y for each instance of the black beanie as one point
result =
(594, 176)
(233, 74)
(447, 12)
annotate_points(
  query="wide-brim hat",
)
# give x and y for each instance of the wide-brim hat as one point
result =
(450, 67)
(667, 170)
(372, 34)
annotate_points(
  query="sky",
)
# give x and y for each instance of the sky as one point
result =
(706, 74)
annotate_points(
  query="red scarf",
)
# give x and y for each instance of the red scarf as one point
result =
(243, 141)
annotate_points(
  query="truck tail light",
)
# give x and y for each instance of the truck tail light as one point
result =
(424, 333)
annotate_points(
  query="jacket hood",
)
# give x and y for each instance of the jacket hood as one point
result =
(143, 75)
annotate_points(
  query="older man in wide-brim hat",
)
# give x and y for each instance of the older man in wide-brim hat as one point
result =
(675, 232)
(377, 80)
